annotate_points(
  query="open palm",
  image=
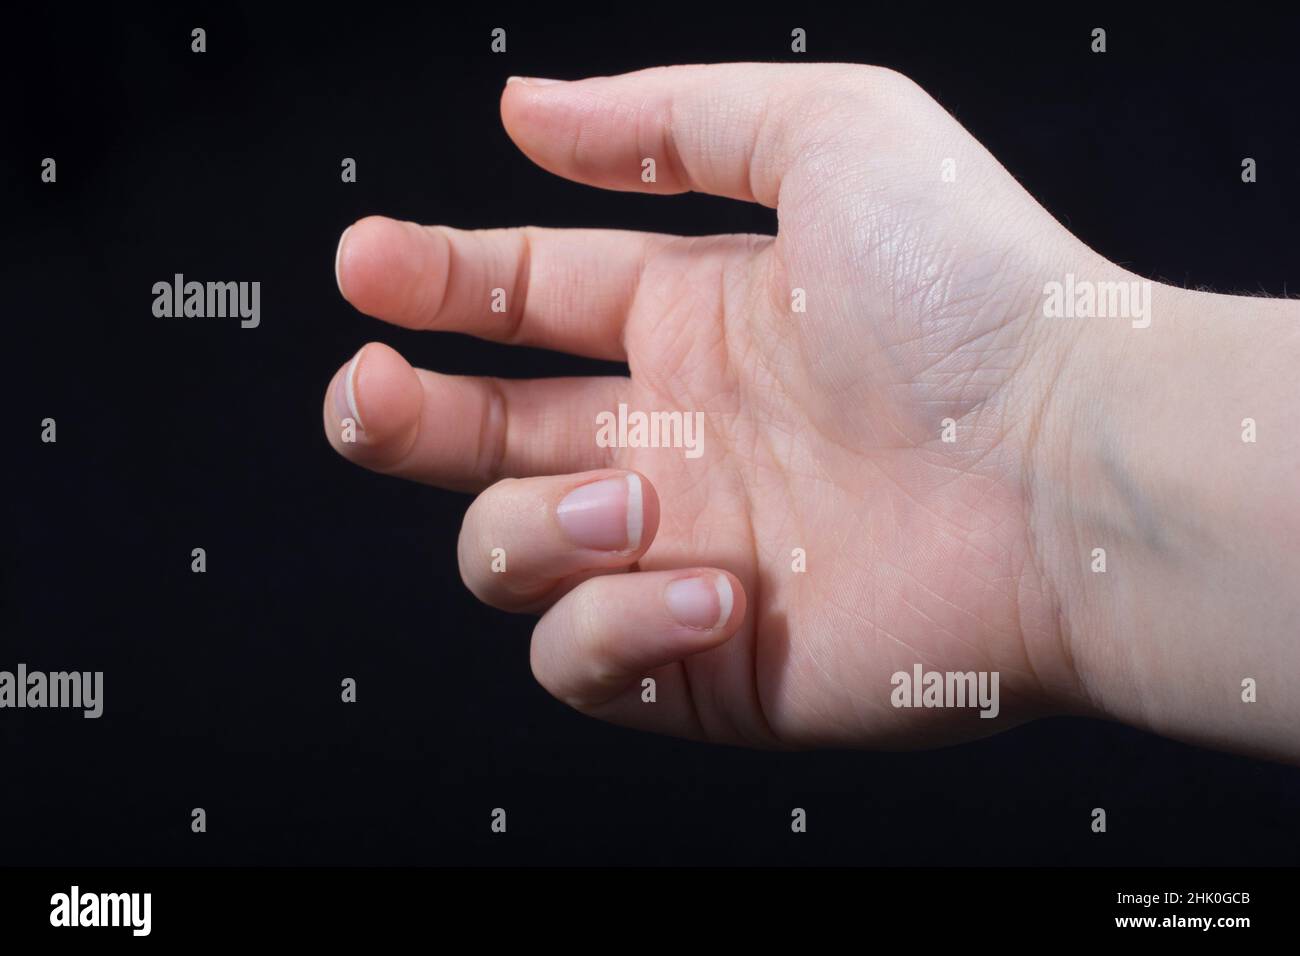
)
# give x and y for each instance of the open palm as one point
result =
(871, 383)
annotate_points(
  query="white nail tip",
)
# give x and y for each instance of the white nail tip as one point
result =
(725, 598)
(635, 512)
(338, 254)
(350, 388)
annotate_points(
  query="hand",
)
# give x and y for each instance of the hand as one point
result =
(920, 265)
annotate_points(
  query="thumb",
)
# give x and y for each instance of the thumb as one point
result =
(730, 129)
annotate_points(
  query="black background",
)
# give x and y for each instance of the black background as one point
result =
(222, 689)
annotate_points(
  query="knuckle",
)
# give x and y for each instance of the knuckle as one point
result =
(852, 88)
(893, 83)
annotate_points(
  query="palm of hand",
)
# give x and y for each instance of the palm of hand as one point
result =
(866, 544)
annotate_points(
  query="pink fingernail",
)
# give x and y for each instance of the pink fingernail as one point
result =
(701, 602)
(605, 515)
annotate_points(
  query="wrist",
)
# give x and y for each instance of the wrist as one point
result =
(1166, 534)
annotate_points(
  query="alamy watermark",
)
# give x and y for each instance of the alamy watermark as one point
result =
(208, 300)
(923, 688)
(626, 429)
(76, 690)
(1084, 299)
(75, 908)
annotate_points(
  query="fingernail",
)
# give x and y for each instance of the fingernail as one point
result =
(345, 392)
(532, 81)
(701, 602)
(338, 255)
(605, 515)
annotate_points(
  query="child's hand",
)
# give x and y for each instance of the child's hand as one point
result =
(900, 304)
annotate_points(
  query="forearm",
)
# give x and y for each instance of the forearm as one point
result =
(1146, 452)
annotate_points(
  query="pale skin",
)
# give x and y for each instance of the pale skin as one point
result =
(824, 432)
